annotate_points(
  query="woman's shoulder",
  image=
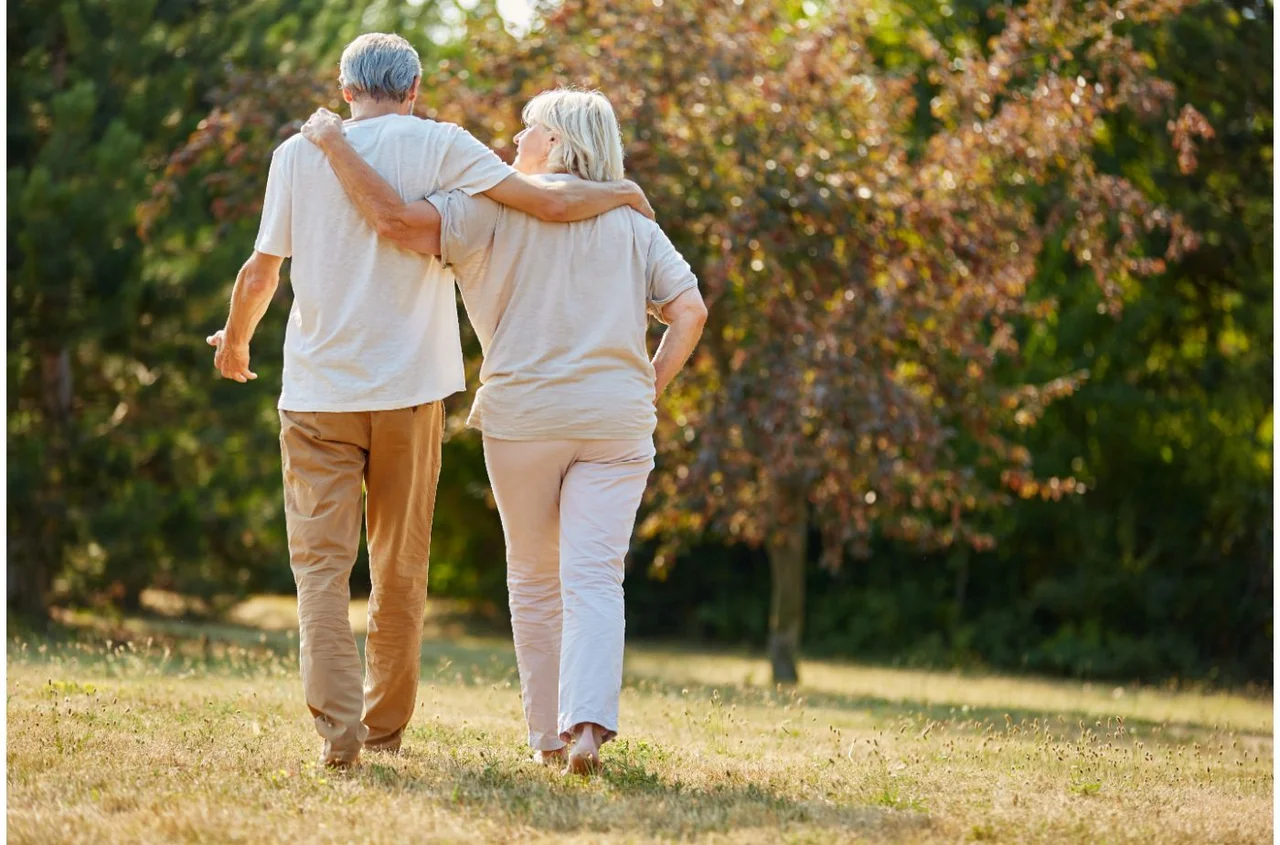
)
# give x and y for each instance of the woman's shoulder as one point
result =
(647, 232)
(643, 225)
(469, 210)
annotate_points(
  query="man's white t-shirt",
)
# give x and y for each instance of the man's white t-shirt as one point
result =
(373, 327)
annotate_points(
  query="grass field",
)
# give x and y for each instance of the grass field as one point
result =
(164, 731)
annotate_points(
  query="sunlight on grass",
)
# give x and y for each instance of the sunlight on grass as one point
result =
(164, 730)
(941, 692)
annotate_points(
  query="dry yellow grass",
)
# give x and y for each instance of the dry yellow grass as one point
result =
(180, 733)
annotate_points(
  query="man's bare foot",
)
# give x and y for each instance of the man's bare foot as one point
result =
(550, 758)
(584, 757)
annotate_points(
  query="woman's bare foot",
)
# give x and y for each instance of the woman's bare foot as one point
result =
(584, 757)
(551, 758)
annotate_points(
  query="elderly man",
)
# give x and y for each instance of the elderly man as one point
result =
(372, 349)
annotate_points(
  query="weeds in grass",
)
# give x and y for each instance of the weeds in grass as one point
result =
(172, 733)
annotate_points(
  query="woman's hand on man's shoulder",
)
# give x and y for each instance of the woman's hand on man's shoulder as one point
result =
(322, 127)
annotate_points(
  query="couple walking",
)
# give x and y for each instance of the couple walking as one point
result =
(558, 276)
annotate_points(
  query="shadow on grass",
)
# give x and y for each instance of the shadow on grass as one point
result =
(956, 717)
(632, 793)
(183, 648)
(161, 645)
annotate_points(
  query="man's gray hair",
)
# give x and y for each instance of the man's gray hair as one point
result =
(379, 66)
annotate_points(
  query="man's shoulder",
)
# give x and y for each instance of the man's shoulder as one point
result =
(297, 155)
(289, 146)
(421, 127)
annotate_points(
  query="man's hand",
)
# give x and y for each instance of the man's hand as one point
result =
(231, 361)
(322, 127)
(640, 202)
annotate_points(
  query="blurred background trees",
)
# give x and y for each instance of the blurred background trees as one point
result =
(953, 404)
(128, 467)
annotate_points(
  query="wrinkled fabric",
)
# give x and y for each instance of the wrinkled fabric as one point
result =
(561, 313)
(372, 327)
(389, 462)
(568, 508)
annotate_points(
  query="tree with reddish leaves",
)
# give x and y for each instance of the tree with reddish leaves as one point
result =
(865, 208)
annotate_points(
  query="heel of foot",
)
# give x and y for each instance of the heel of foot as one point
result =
(586, 763)
(584, 757)
(550, 758)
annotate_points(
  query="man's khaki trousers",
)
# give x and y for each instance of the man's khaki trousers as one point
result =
(333, 461)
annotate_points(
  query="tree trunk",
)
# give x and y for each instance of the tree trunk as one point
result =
(788, 553)
(131, 599)
(31, 566)
(962, 582)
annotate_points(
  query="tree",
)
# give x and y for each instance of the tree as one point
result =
(866, 208)
(125, 468)
(1164, 568)
(866, 257)
(86, 112)
(1167, 565)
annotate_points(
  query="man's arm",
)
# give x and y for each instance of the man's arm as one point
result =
(566, 200)
(685, 316)
(416, 225)
(255, 285)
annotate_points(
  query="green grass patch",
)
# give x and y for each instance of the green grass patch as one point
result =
(162, 730)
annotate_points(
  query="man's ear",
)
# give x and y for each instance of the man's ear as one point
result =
(413, 91)
(346, 95)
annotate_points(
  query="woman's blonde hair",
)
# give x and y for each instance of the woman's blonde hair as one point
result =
(589, 142)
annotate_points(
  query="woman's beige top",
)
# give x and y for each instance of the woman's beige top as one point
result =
(561, 311)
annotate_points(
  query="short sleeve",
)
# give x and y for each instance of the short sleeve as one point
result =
(275, 232)
(668, 274)
(467, 225)
(470, 166)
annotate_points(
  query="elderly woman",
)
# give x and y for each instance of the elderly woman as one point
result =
(566, 403)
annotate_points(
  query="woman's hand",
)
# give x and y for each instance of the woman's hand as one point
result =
(322, 127)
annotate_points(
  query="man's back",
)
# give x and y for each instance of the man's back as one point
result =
(373, 327)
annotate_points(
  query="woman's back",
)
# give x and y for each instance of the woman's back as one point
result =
(561, 313)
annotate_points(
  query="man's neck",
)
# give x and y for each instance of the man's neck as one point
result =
(367, 110)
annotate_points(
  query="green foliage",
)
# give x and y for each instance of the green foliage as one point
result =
(847, 354)
(1168, 560)
(129, 464)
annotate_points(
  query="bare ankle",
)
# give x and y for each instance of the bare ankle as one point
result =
(588, 730)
